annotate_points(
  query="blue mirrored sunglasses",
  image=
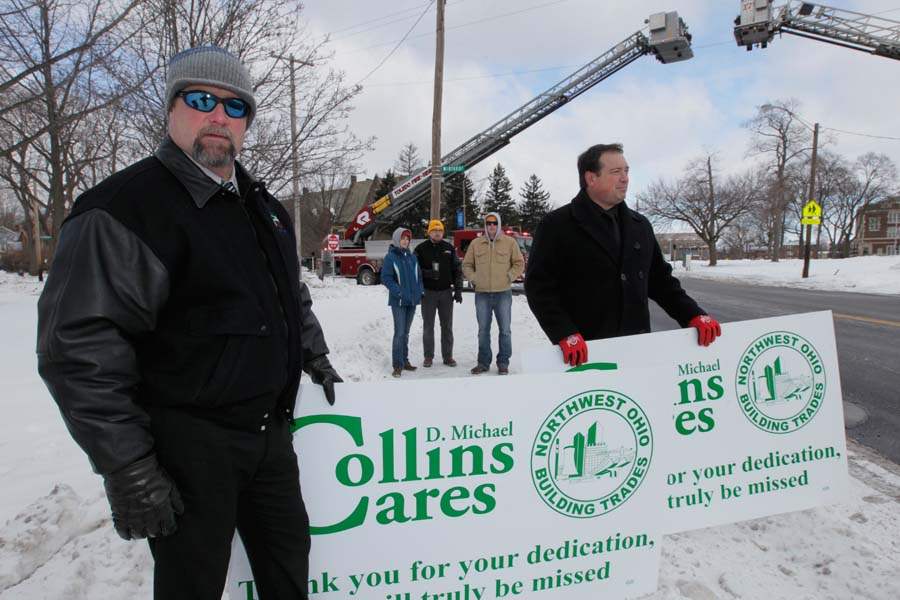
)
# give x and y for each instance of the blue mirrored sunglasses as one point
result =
(206, 102)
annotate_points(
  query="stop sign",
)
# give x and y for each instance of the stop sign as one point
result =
(333, 242)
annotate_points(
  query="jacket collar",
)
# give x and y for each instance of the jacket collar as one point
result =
(200, 187)
(581, 211)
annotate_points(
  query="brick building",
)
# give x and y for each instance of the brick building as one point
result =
(878, 228)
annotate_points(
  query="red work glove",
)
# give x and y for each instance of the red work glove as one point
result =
(708, 329)
(574, 350)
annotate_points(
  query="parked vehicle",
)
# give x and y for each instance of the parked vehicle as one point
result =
(364, 263)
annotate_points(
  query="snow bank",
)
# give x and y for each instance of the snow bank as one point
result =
(869, 274)
(62, 548)
(37, 533)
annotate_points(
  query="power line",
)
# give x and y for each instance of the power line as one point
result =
(412, 10)
(372, 28)
(381, 25)
(803, 122)
(486, 19)
(868, 135)
(403, 39)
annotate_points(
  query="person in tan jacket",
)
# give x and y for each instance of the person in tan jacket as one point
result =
(493, 261)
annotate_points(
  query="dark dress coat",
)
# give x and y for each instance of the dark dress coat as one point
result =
(580, 281)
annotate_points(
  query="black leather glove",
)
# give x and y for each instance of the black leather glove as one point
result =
(322, 373)
(457, 296)
(143, 499)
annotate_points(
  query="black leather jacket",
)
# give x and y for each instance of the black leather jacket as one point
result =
(169, 292)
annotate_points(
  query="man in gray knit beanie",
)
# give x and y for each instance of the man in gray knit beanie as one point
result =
(176, 359)
(209, 65)
(210, 125)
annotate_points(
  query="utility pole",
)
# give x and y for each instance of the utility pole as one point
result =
(812, 191)
(295, 164)
(436, 115)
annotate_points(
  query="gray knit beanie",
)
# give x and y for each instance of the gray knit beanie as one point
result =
(209, 65)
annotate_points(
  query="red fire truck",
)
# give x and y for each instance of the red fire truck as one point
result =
(364, 263)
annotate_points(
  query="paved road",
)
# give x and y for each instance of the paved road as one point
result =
(868, 342)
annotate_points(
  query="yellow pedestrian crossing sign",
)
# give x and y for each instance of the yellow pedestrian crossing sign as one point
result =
(812, 213)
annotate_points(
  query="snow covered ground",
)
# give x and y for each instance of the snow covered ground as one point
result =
(56, 540)
(869, 274)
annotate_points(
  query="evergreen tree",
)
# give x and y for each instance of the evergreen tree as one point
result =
(452, 192)
(385, 184)
(535, 203)
(499, 198)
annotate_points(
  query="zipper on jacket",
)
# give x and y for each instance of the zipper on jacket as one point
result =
(404, 265)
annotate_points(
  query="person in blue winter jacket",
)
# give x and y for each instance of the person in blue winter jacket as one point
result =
(401, 275)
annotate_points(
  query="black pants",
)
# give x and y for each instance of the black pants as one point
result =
(442, 302)
(230, 479)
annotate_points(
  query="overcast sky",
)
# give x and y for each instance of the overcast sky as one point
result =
(665, 115)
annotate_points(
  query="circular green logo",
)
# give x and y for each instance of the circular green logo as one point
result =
(591, 453)
(780, 382)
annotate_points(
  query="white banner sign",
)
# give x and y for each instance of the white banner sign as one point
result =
(559, 485)
(756, 420)
(477, 488)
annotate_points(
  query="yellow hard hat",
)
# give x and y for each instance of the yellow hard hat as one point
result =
(435, 224)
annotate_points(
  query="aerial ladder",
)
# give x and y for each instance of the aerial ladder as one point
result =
(760, 21)
(669, 41)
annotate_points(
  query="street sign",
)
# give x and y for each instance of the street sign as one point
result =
(460, 222)
(333, 242)
(453, 168)
(812, 213)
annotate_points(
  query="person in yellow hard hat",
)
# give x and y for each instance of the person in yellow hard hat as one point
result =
(441, 271)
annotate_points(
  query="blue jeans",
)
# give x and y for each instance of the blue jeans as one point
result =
(500, 305)
(403, 318)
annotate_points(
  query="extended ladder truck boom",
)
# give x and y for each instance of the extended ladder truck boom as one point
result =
(759, 22)
(668, 40)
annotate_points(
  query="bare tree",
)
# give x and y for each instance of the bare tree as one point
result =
(15, 71)
(796, 190)
(408, 161)
(743, 234)
(703, 200)
(10, 211)
(781, 139)
(832, 175)
(23, 177)
(57, 92)
(49, 50)
(83, 91)
(868, 179)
